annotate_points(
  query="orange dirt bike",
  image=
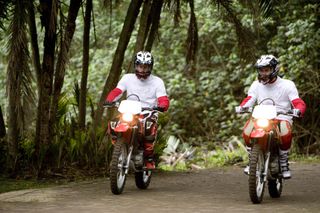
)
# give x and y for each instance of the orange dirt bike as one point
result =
(264, 159)
(128, 144)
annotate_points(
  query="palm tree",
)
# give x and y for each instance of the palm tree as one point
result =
(19, 80)
(48, 11)
(62, 60)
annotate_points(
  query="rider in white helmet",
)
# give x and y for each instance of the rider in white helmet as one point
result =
(285, 95)
(151, 92)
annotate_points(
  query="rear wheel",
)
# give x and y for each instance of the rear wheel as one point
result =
(256, 176)
(118, 167)
(275, 187)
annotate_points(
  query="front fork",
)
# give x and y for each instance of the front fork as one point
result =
(131, 144)
(267, 156)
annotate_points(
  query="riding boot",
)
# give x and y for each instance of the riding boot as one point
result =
(148, 155)
(283, 159)
(247, 168)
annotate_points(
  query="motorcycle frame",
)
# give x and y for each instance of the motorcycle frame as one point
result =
(129, 136)
(266, 141)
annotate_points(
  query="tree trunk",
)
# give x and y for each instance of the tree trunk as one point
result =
(115, 70)
(2, 125)
(48, 11)
(155, 20)
(85, 65)
(62, 59)
(143, 30)
(34, 41)
(192, 42)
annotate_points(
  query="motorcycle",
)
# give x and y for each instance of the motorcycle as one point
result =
(128, 149)
(264, 160)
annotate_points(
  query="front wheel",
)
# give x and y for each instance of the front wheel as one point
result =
(143, 179)
(275, 187)
(118, 167)
(256, 176)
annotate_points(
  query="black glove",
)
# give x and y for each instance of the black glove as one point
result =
(107, 103)
(159, 108)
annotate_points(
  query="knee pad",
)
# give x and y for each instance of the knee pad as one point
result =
(285, 135)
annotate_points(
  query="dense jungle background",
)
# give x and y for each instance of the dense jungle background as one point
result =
(58, 60)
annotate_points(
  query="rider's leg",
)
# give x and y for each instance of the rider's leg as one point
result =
(149, 139)
(286, 138)
(149, 154)
(248, 127)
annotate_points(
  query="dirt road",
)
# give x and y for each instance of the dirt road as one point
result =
(215, 190)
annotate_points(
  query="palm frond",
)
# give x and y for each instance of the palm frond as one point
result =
(4, 6)
(224, 3)
(267, 7)
(19, 74)
(244, 35)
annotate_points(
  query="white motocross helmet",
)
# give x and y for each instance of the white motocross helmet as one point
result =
(143, 57)
(267, 61)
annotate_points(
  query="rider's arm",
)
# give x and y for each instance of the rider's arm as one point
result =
(163, 102)
(114, 95)
(252, 96)
(299, 104)
(161, 94)
(117, 92)
(296, 101)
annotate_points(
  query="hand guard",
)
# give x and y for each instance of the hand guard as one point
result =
(296, 112)
(239, 109)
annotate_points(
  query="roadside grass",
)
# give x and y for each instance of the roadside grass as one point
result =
(304, 158)
(7, 185)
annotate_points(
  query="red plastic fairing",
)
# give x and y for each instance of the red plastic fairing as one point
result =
(122, 127)
(257, 133)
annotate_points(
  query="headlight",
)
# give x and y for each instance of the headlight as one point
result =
(128, 117)
(263, 123)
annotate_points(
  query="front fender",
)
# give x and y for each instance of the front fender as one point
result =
(121, 127)
(257, 133)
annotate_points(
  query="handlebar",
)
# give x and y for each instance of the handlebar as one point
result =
(117, 103)
(111, 104)
(290, 112)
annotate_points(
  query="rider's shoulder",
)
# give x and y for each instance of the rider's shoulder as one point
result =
(155, 78)
(128, 76)
(286, 81)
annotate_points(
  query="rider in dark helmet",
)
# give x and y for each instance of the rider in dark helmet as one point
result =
(286, 97)
(268, 69)
(151, 92)
(143, 64)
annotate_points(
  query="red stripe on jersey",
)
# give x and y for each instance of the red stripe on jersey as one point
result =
(245, 100)
(113, 94)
